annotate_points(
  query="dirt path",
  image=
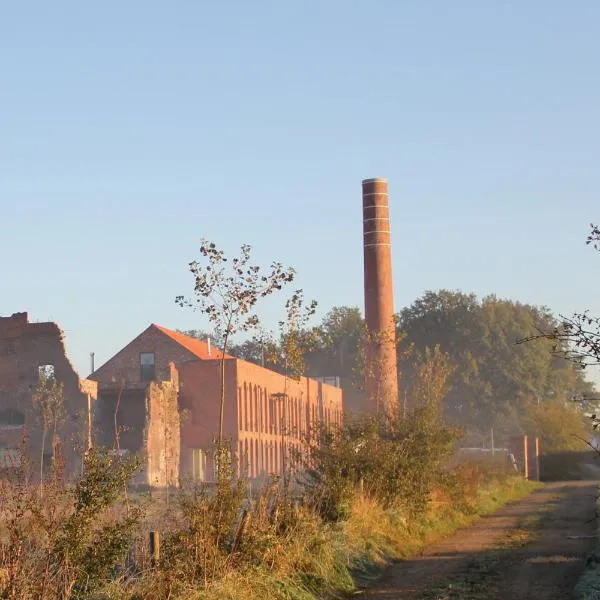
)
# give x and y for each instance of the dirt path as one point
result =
(524, 551)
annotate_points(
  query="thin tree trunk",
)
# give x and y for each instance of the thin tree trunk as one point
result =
(118, 403)
(42, 462)
(222, 406)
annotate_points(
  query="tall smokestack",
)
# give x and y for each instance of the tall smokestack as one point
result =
(381, 377)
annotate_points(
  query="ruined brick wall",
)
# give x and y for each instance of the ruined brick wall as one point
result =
(142, 420)
(123, 411)
(24, 347)
(125, 365)
(162, 432)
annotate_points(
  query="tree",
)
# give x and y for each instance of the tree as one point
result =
(336, 352)
(48, 397)
(198, 334)
(494, 381)
(575, 338)
(295, 338)
(341, 335)
(227, 292)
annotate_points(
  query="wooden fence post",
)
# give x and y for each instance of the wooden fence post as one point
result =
(154, 548)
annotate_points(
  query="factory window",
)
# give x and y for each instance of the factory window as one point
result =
(11, 419)
(147, 368)
(198, 464)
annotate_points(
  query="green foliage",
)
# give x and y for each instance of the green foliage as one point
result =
(67, 544)
(560, 425)
(87, 552)
(341, 337)
(397, 460)
(286, 353)
(495, 380)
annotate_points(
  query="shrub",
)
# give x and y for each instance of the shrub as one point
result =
(397, 460)
(67, 542)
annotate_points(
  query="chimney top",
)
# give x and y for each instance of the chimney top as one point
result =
(375, 179)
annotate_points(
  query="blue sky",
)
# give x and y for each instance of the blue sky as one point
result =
(129, 130)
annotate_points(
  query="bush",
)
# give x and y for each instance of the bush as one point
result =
(62, 542)
(396, 460)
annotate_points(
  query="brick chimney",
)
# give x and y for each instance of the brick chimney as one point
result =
(381, 377)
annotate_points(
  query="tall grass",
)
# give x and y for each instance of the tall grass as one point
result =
(372, 491)
(77, 542)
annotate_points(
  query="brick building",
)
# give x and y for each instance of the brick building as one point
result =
(162, 391)
(26, 349)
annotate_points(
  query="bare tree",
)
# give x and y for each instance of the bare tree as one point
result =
(227, 291)
(577, 337)
(48, 397)
(288, 354)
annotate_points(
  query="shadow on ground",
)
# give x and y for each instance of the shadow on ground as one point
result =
(533, 549)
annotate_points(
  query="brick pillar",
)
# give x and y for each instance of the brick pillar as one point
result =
(533, 453)
(381, 378)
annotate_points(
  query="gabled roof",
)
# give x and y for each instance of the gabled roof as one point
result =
(198, 348)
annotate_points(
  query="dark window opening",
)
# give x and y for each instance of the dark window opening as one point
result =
(11, 419)
(147, 367)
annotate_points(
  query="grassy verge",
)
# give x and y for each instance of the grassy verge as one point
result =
(344, 557)
(588, 587)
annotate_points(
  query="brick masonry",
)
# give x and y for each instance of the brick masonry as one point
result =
(381, 378)
(267, 418)
(24, 347)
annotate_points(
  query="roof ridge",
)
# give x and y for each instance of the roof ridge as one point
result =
(199, 348)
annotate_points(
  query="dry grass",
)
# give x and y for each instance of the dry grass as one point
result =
(220, 546)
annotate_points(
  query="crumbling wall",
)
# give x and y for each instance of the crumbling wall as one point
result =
(162, 432)
(120, 418)
(24, 348)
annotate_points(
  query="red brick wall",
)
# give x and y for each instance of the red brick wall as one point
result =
(256, 419)
(125, 365)
(382, 382)
(199, 405)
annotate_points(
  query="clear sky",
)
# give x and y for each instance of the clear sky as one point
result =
(130, 129)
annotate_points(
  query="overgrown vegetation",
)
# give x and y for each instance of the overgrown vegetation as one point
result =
(67, 543)
(495, 383)
(227, 292)
(374, 488)
(370, 491)
(81, 543)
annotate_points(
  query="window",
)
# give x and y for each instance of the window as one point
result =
(198, 464)
(147, 369)
(45, 372)
(11, 419)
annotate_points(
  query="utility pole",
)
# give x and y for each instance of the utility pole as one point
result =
(492, 441)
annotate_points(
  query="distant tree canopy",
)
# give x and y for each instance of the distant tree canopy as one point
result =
(495, 382)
